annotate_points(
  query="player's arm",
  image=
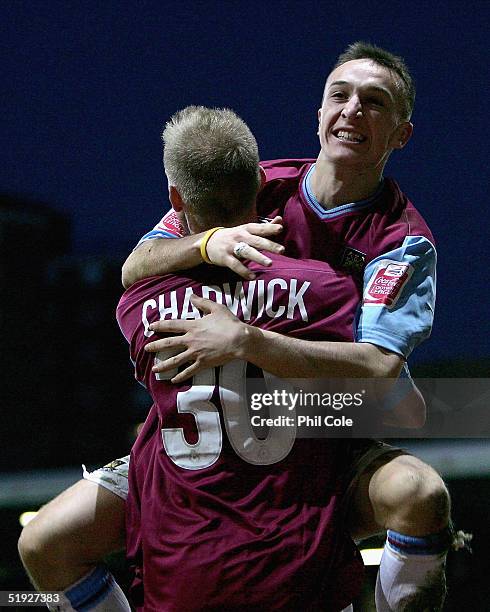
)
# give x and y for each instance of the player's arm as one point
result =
(401, 403)
(156, 257)
(294, 358)
(167, 249)
(396, 315)
(399, 297)
(220, 337)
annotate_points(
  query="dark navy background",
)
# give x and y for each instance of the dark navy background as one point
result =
(87, 86)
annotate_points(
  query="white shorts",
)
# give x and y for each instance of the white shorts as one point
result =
(113, 476)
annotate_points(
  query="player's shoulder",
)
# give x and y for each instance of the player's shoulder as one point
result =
(400, 214)
(153, 286)
(285, 168)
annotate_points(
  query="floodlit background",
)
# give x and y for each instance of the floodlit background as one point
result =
(86, 89)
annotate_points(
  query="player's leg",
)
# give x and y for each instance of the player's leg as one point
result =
(409, 499)
(71, 534)
(62, 547)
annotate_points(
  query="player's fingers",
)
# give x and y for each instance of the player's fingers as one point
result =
(173, 362)
(163, 344)
(171, 326)
(253, 255)
(277, 219)
(264, 229)
(189, 372)
(264, 244)
(234, 264)
(204, 305)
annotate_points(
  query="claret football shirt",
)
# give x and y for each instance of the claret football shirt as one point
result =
(217, 518)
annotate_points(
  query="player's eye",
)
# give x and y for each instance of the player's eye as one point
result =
(375, 101)
(338, 95)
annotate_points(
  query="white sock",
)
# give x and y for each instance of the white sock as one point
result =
(97, 592)
(407, 574)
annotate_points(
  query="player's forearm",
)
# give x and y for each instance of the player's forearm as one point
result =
(293, 358)
(162, 256)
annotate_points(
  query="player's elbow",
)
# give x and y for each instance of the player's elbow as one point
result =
(129, 272)
(126, 276)
(417, 415)
(382, 363)
(410, 412)
(415, 420)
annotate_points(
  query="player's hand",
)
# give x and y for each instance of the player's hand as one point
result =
(258, 236)
(211, 341)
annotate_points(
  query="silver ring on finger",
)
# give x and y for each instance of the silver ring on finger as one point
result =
(238, 249)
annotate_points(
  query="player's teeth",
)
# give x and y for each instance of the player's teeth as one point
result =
(352, 137)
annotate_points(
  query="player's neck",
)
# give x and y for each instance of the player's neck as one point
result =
(197, 226)
(333, 186)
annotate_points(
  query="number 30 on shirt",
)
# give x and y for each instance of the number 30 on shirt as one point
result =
(233, 400)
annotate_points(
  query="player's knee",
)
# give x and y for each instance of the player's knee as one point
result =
(41, 544)
(32, 545)
(413, 498)
(431, 504)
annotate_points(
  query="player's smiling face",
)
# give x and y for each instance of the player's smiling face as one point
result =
(359, 121)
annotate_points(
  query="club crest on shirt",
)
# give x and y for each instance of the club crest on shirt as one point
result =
(386, 283)
(113, 465)
(352, 261)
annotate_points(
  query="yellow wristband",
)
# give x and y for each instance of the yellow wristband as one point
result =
(204, 243)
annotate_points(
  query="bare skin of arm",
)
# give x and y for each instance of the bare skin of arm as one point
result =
(201, 347)
(167, 255)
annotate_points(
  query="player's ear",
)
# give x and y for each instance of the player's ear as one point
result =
(175, 199)
(402, 134)
(319, 121)
(263, 177)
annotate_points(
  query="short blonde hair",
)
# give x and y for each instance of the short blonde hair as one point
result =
(211, 157)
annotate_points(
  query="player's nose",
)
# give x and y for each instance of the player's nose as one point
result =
(352, 108)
